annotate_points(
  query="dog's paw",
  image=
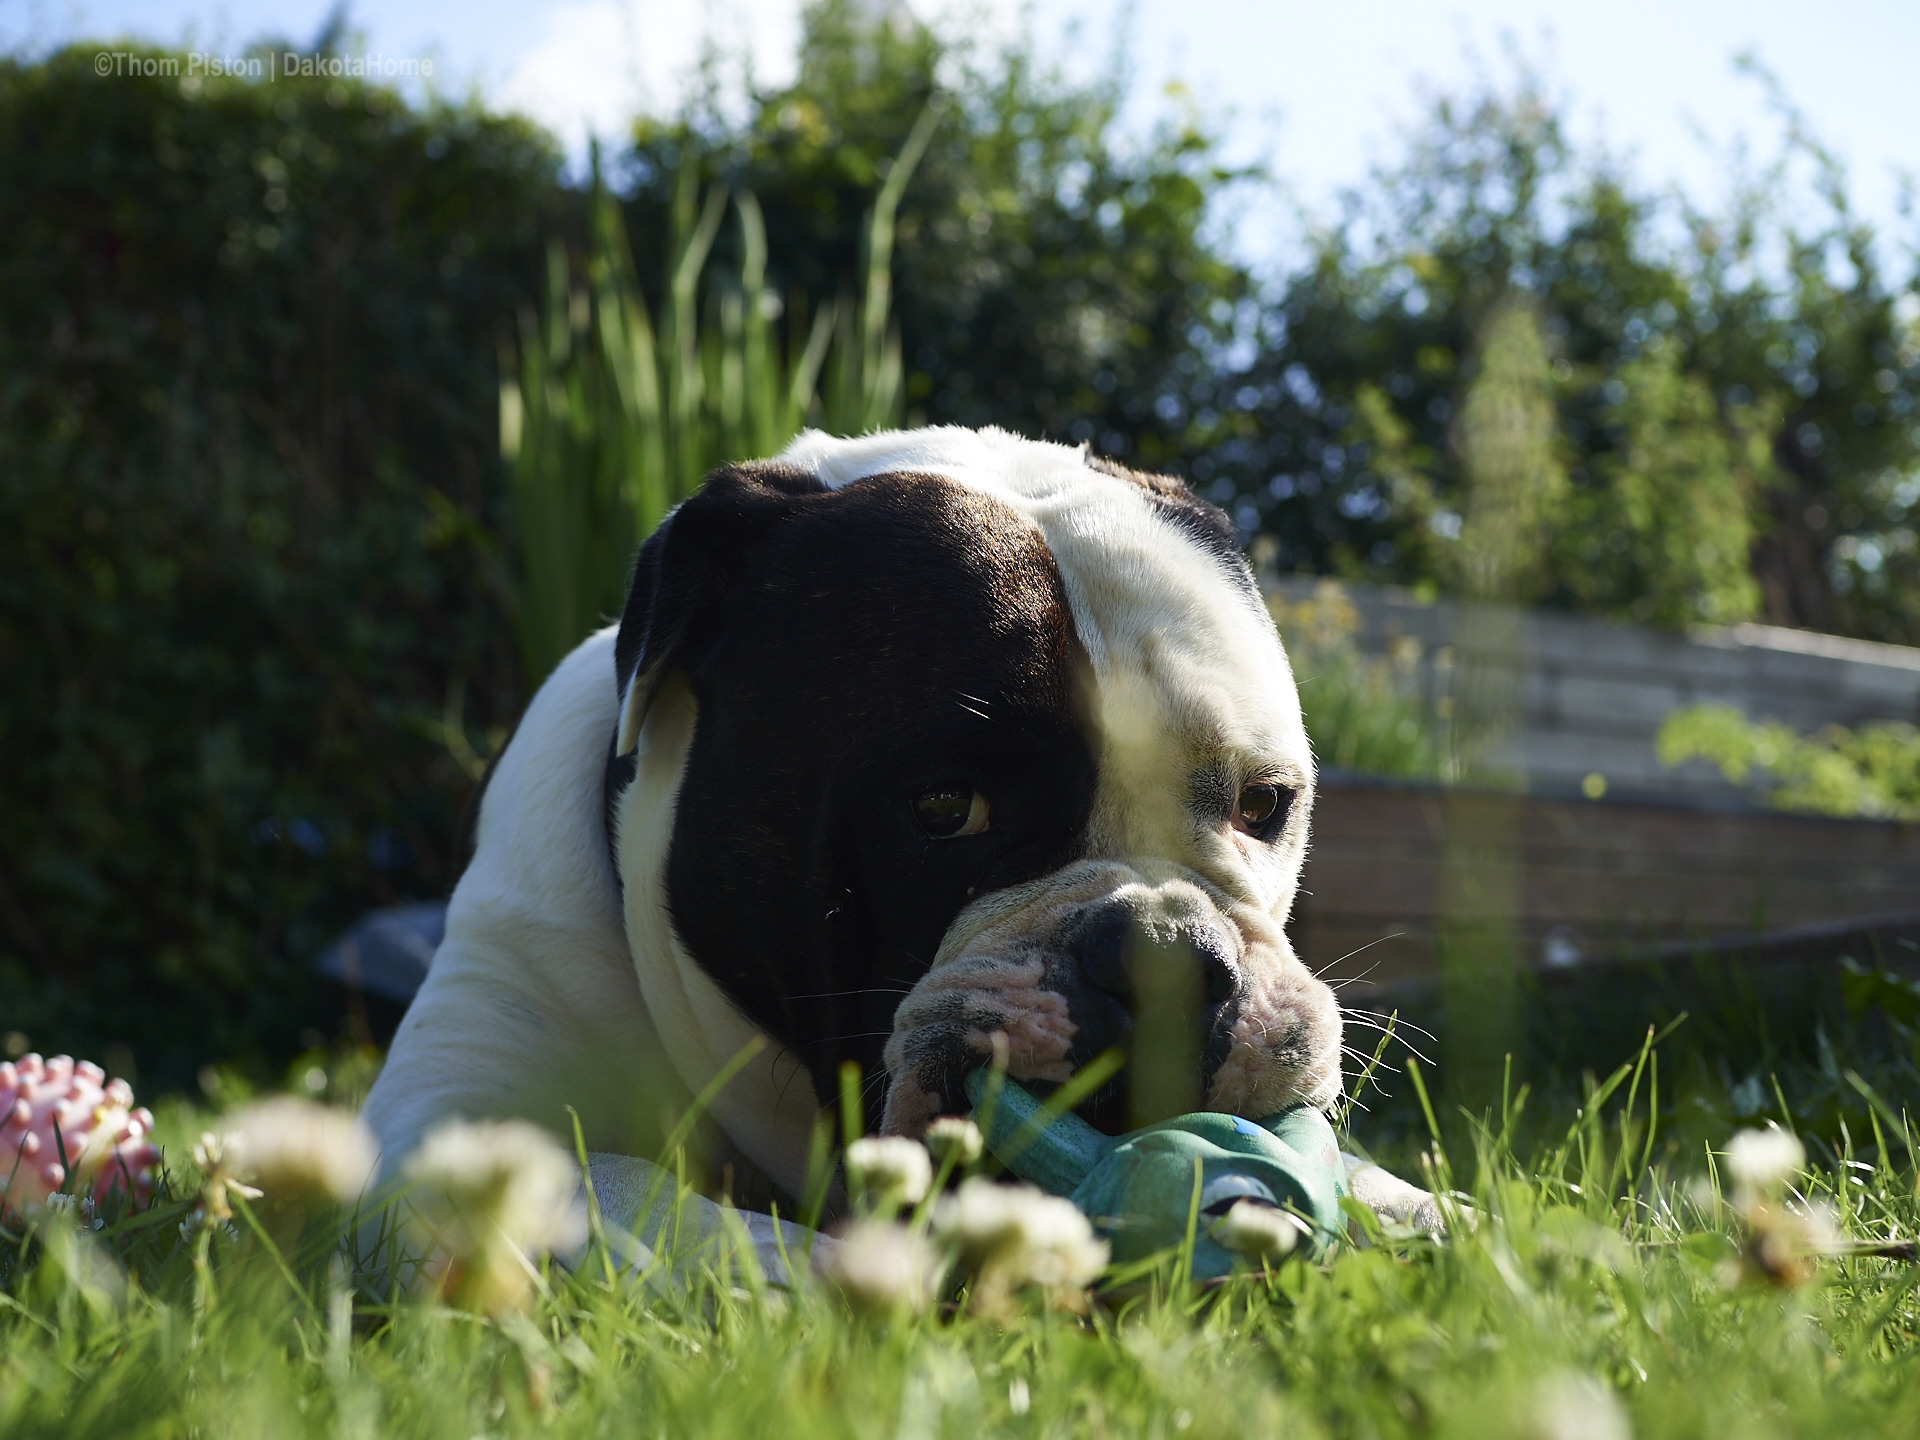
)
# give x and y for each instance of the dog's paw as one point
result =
(1393, 1199)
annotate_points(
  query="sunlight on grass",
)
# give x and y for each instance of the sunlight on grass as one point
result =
(1585, 1290)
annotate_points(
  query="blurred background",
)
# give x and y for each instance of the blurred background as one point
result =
(1558, 370)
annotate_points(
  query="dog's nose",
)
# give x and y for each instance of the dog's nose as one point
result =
(1157, 991)
(1111, 944)
(1103, 950)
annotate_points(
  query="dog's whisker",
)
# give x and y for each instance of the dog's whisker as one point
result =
(1344, 981)
(1393, 1032)
(1383, 1014)
(845, 994)
(1365, 1056)
(1341, 960)
(1412, 1049)
(1368, 1022)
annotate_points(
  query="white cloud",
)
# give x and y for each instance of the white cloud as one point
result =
(598, 63)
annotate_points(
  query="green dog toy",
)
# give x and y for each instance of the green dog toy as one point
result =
(1138, 1188)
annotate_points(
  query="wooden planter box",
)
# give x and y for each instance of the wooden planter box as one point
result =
(1396, 866)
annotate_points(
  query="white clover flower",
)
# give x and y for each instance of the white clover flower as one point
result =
(213, 1153)
(210, 1151)
(955, 1138)
(889, 1170)
(484, 1194)
(1253, 1229)
(1764, 1161)
(1782, 1242)
(884, 1268)
(1015, 1235)
(1569, 1406)
(299, 1151)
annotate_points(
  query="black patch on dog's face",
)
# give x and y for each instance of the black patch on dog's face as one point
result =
(849, 651)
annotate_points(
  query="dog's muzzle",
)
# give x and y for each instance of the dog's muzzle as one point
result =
(1205, 1000)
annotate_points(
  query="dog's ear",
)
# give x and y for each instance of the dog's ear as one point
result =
(682, 574)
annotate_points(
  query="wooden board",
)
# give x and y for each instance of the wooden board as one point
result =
(1571, 880)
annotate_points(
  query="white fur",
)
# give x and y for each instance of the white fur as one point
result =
(531, 1003)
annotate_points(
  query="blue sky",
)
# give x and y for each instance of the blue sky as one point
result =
(1318, 90)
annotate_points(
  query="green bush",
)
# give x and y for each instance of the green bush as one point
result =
(1872, 772)
(1363, 713)
(248, 465)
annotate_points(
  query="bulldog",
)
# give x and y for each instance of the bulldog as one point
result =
(902, 744)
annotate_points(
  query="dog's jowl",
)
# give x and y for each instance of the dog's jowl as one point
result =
(901, 743)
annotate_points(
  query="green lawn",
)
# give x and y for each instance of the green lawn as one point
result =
(1600, 1294)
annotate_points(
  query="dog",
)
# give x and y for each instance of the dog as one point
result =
(904, 747)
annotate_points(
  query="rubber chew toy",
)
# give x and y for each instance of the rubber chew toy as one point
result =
(1138, 1188)
(52, 1106)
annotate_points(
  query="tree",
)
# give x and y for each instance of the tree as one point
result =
(1735, 438)
(1047, 278)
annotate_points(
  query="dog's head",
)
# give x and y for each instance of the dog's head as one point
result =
(931, 736)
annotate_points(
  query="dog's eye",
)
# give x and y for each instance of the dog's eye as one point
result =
(1260, 809)
(951, 811)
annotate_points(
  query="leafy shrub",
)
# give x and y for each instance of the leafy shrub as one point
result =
(608, 417)
(1363, 713)
(248, 468)
(1871, 772)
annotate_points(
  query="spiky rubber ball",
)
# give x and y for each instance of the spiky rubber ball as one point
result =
(48, 1107)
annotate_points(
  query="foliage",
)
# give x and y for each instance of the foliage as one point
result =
(1655, 526)
(248, 490)
(1604, 1291)
(1049, 278)
(1871, 772)
(1512, 484)
(608, 420)
(1363, 714)
(1734, 394)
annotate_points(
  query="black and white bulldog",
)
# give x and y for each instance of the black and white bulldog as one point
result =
(902, 743)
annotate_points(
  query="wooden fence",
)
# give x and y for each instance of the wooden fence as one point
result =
(1590, 695)
(1395, 866)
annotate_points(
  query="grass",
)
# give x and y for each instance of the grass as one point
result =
(1604, 1265)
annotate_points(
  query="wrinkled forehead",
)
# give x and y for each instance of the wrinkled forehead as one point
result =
(1181, 648)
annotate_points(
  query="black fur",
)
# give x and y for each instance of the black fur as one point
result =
(849, 650)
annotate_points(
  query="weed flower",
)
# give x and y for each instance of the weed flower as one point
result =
(1254, 1229)
(889, 1170)
(485, 1194)
(213, 1153)
(81, 1210)
(1781, 1240)
(1762, 1162)
(1782, 1243)
(955, 1140)
(300, 1152)
(883, 1268)
(1015, 1236)
(1569, 1406)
